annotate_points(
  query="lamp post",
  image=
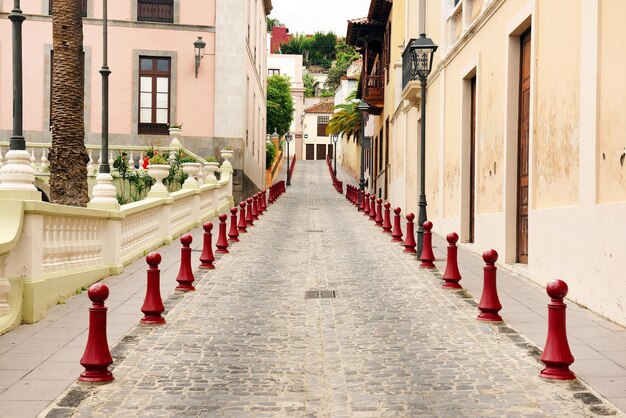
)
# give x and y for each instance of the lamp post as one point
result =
(422, 51)
(198, 47)
(103, 194)
(335, 138)
(17, 177)
(105, 72)
(288, 139)
(363, 108)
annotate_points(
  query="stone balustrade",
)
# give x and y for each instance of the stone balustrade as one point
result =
(48, 251)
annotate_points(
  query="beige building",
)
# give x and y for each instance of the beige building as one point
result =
(153, 81)
(523, 149)
(317, 143)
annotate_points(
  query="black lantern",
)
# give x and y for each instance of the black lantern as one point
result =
(288, 138)
(363, 108)
(335, 139)
(422, 53)
(198, 46)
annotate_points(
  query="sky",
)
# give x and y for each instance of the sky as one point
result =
(310, 16)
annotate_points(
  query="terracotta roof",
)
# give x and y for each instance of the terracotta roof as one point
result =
(321, 107)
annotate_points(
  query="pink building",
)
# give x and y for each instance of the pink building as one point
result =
(153, 82)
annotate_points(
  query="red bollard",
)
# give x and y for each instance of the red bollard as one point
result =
(372, 207)
(427, 257)
(362, 206)
(241, 225)
(233, 234)
(409, 241)
(452, 276)
(97, 357)
(489, 302)
(387, 221)
(255, 207)
(259, 206)
(379, 213)
(396, 234)
(264, 200)
(207, 258)
(556, 354)
(185, 275)
(366, 204)
(249, 217)
(222, 242)
(153, 304)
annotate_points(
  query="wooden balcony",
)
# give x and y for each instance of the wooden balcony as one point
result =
(374, 93)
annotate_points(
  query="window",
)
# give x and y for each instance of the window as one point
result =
(322, 124)
(154, 95)
(84, 3)
(155, 11)
(273, 71)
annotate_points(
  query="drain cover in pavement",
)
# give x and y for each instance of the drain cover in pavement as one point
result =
(314, 230)
(319, 294)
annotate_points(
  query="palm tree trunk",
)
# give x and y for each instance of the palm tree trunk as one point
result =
(68, 156)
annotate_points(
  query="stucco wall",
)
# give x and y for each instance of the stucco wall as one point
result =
(611, 149)
(556, 135)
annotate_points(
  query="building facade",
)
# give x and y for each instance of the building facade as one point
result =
(152, 83)
(291, 66)
(317, 143)
(522, 144)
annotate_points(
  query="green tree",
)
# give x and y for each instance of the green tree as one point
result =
(280, 106)
(271, 22)
(68, 156)
(346, 55)
(318, 49)
(309, 85)
(347, 119)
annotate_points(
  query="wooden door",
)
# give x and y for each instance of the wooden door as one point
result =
(310, 151)
(321, 152)
(472, 164)
(523, 151)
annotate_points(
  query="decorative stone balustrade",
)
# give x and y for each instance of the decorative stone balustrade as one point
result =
(49, 251)
(462, 17)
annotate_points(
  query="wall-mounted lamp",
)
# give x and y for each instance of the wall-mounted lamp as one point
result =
(198, 46)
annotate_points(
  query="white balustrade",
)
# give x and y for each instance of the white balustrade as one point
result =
(71, 243)
(5, 288)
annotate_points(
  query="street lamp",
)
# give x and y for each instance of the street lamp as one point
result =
(335, 138)
(17, 175)
(105, 72)
(288, 139)
(198, 47)
(363, 109)
(422, 52)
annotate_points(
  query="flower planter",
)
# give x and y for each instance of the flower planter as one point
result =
(210, 168)
(192, 170)
(158, 172)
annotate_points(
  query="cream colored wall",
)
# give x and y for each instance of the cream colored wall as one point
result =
(611, 150)
(556, 134)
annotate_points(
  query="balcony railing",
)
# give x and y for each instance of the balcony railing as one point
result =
(374, 90)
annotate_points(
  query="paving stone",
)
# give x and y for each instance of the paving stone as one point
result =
(391, 343)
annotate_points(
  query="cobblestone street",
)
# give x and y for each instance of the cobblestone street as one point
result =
(391, 343)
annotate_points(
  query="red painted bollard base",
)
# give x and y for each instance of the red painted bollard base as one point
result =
(556, 353)
(97, 357)
(153, 304)
(185, 277)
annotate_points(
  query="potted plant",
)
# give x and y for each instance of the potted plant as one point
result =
(210, 167)
(158, 168)
(192, 169)
(227, 153)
